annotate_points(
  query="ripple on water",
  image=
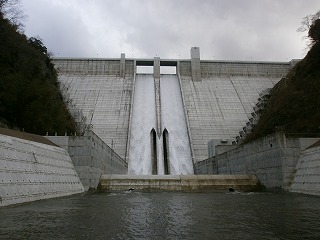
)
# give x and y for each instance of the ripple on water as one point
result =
(165, 215)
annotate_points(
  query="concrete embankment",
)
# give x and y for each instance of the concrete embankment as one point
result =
(278, 161)
(91, 157)
(34, 170)
(196, 183)
(307, 175)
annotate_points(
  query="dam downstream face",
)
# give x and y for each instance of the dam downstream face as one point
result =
(159, 142)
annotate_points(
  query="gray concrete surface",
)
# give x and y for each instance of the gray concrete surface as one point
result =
(273, 159)
(186, 183)
(31, 171)
(307, 175)
(91, 157)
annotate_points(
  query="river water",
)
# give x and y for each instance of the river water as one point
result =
(165, 215)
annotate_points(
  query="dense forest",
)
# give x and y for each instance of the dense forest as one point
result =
(30, 98)
(294, 104)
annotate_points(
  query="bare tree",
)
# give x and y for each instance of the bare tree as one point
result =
(12, 10)
(310, 24)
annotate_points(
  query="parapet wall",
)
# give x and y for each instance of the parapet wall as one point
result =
(91, 157)
(32, 171)
(237, 68)
(83, 66)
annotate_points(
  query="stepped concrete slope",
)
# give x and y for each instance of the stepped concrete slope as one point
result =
(32, 171)
(204, 100)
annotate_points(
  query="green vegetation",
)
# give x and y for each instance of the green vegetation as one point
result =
(30, 98)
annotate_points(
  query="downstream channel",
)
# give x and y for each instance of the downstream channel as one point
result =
(165, 215)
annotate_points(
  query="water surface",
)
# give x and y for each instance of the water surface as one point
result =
(165, 215)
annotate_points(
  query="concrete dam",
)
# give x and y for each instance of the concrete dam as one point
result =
(159, 123)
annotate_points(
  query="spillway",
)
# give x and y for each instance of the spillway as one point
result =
(159, 147)
(173, 121)
(143, 121)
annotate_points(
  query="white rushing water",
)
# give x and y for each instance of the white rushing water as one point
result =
(171, 145)
(173, 119)
(143, 120)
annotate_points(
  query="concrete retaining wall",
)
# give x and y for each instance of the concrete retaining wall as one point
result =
(272, 159)
(32, 171)
(307, 176)
(178, 183)
(91, 157)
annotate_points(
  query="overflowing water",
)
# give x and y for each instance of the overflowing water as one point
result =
(165, 215)
(159, 142)
(143, 120)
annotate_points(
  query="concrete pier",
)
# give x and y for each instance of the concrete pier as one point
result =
(192, 183)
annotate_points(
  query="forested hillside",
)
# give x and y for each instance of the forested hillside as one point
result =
(294, 105)
(30, 99)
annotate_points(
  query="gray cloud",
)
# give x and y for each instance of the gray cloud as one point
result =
(231, 29)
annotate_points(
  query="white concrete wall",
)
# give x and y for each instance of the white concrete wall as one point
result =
(307, 176)
(91, 157)
(32, 171)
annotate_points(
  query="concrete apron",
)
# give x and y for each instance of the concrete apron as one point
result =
(188, 183)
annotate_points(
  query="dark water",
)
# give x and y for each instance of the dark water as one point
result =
(165, 216)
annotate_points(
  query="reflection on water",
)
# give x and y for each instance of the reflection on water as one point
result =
(134, 215)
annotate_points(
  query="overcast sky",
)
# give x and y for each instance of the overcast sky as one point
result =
(223, 29)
